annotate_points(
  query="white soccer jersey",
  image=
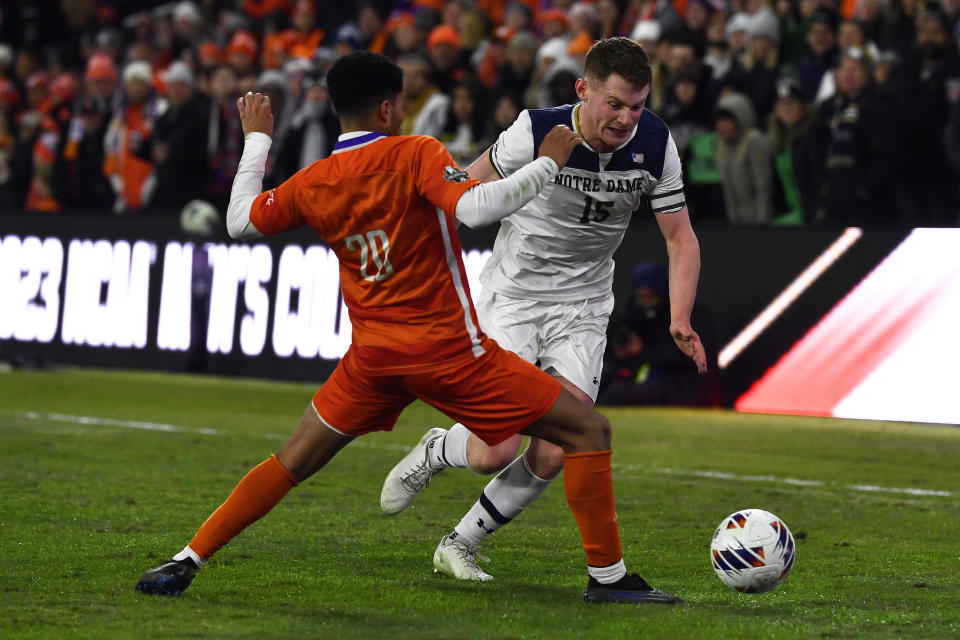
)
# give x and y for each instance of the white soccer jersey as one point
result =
(560, 245)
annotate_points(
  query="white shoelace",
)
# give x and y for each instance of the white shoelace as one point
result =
(419, 476)
(467, 553)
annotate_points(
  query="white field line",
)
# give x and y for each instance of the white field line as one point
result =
(623, 468)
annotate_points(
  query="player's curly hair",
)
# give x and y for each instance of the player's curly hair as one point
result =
(621, 56)
(360, 81)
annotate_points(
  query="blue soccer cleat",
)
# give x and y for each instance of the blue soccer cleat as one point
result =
(169, 579)
(630, 589)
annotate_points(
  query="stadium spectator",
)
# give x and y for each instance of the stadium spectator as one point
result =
(6, 60)
(687, 108)
(369, 22)
(273, 84)
(717, 55)
(464, 131)
(853, 151)
(927, 82)
(793, 30)
(178, 146)
(647, 33)
(187, 29)
(755, 72)
(506, 108)
(404, 38)
(242, 53)
(696, 15)
(347, 39)
(8, 151)
(443, 51)
(127, 162)
(79, 181)
(644, 366)
(516, 75)
(554, 23)
(101, 80)
(224, 136)
(789, 122)
(900, 29)
(473, 29)
(952, 147)
(306, 35)
(851, 36)
(823, 54)
(277, 41)
(608, 18)
(737, 33)
(557, 86)
(745, 162)
(54, 126)
(425, 106)
(584, 19)
(518, 16)
(313, 130)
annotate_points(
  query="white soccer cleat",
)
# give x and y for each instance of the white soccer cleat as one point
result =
(411, 474)
(456, 558)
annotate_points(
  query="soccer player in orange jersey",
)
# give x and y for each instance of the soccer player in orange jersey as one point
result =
(387, 205)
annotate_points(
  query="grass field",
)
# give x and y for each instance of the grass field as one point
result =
(106, 474)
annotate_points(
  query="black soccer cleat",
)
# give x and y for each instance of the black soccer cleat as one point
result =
(170, 579)
(630, 589)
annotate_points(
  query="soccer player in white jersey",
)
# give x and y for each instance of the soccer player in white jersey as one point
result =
(547, 289)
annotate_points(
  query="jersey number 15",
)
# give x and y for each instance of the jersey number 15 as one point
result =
(595, 211)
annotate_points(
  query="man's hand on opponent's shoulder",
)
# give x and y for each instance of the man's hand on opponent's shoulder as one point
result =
(255, 115)
(559, 144)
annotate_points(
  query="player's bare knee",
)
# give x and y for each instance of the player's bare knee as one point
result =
(493, 461)
(598, 431)
(546, 464)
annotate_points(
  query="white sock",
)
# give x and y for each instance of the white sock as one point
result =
(502, 500)
(190, 553)
(435, 455)
(453, 448)
(608, 575)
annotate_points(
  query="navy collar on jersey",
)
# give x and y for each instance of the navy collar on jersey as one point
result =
(357, 139)
(575, 126)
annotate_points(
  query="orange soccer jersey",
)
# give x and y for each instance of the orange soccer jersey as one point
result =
(385, 206)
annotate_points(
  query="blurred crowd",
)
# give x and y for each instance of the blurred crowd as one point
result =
(788, 112)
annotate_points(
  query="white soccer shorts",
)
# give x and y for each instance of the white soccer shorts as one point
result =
(563, 338)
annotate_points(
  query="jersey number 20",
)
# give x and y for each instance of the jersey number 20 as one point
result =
(375, 246)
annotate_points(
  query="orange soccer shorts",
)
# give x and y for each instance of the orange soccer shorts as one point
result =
(495, 395)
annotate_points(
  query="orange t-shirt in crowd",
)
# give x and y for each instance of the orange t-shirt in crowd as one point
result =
(385, 205)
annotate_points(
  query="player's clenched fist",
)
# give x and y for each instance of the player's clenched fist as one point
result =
(255, 115)
(559, 144)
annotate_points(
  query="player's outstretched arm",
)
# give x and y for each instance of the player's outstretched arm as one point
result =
(486, 203)
(684, 251)
(257, 122)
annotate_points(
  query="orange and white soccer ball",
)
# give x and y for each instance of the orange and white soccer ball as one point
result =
(752, 551)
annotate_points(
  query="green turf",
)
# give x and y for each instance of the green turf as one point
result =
(86, 507)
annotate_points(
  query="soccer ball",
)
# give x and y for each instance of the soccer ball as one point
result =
(199, 218)
(752, 551)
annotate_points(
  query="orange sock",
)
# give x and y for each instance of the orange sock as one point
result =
(589, 485)
(262, 488)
